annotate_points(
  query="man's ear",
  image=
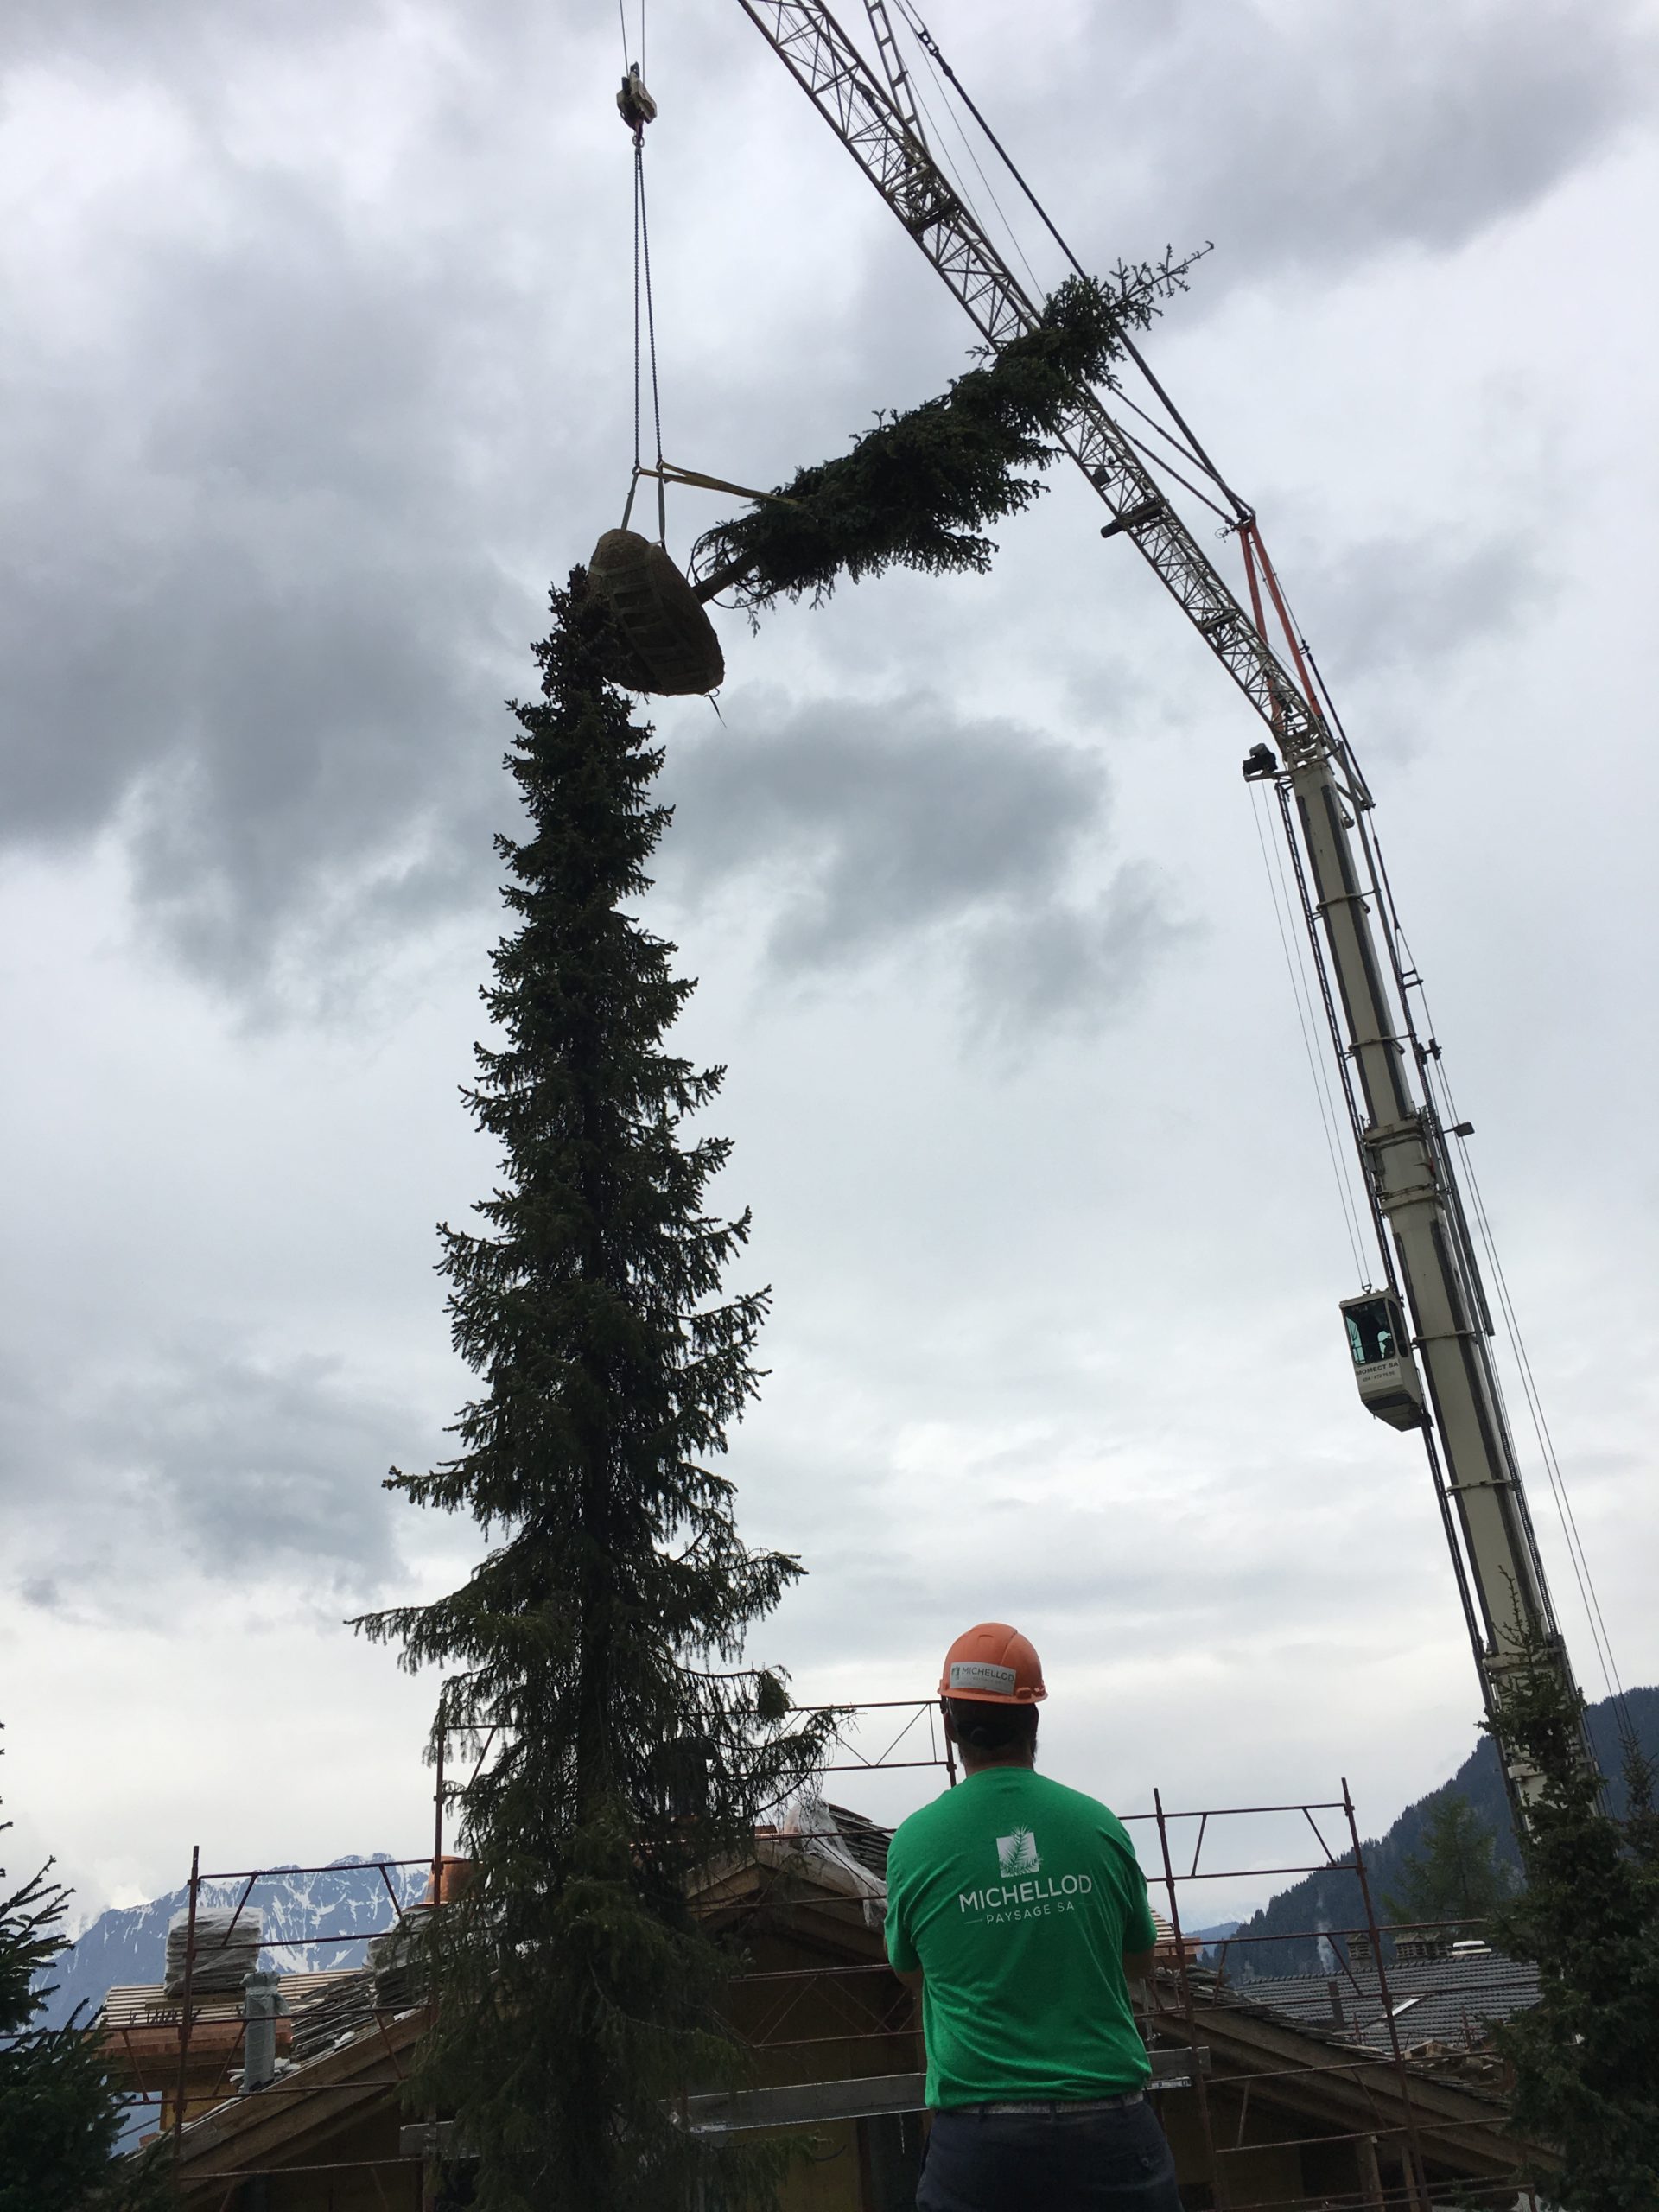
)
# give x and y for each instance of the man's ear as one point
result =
(945, 1715)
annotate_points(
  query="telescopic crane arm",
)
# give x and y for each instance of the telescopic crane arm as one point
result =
(1409, 1171)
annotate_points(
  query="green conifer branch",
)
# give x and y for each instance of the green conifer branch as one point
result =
(919, 489)
(60, 2114)
(1586, 2058)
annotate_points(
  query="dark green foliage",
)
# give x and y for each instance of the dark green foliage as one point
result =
(1587, 2057)
(1455, 1876)
(60, 2116)
(918, 491)
(602, 1630)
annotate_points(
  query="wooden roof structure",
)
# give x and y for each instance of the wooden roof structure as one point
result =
(1261, 2109)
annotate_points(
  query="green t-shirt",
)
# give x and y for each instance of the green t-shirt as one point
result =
(1018, 1899)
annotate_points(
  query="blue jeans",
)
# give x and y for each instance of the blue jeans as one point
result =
(1048, 2160)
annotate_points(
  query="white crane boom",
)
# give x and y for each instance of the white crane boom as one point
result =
(1409, 1174)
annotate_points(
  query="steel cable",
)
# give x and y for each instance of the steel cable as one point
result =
(651, 339)
(1315, 1060)
(1434, 1076)
(930, 47)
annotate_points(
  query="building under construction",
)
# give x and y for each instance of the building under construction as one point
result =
(1366, 2087)
(1369, 2088)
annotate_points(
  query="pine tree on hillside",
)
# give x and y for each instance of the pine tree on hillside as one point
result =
(1456, 1876)
(602, 1632)
(1587, 2057)
(60, 2116)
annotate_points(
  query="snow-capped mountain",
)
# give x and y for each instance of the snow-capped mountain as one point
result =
(350, 1898)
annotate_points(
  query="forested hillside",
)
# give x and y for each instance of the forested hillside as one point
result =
(1331, 1899)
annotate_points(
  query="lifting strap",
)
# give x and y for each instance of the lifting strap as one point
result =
(642, 290)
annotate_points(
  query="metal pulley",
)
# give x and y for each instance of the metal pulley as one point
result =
(634, 104)
(666, 643)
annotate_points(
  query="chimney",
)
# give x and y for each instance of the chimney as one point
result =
(1426, 1944)
(261, 2004)
(453, 1876)
(1359, 1949)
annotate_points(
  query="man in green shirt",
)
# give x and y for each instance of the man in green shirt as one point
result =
(1017, 1907)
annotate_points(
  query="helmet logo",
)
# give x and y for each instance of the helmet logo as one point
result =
(1017, 1853)
(980, 1675)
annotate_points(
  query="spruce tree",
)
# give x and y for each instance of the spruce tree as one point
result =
(61, 2115)
(1586, 2058)
(602, 1635)
(1455, 1877)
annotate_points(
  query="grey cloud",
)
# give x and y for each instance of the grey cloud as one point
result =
(1169, 1569)
(260, 643)
(868, 826)
(275, 499)
(1062, 964)
(264, 1469)
(105, 30)
(1318, 136)
(259, 1466)
(886, 815)
(1417, 602)
(266, 516)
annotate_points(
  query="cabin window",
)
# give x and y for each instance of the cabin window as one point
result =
(1373, 1330)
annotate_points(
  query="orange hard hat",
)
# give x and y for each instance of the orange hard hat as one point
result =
(995, 1664)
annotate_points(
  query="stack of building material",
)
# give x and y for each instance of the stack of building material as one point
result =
(226, 1948)
(333, 2017)
(401, 1974)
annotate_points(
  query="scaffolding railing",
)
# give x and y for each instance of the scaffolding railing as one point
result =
(1190, 1995)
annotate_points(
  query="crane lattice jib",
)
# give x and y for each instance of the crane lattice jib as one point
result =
(835, 76)
(1409, 1176)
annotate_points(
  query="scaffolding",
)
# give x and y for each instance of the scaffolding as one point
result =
(1410, 2143)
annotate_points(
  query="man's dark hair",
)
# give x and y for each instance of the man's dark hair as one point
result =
(985, 1727)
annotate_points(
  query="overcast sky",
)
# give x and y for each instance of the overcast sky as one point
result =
(316, 368)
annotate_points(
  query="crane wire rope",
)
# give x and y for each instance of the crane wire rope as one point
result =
(1431, 1059)
(633, 63)
(1336, 1151)
(950, 170)
(1576, 1555)
(954, 178)
(1340, 754)
(1331, 1122)
(950, 113)
(930, 47)
(1407, 976)
(642, 260)
(1156, 460)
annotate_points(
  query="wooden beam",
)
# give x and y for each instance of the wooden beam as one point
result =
(808, 2104)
